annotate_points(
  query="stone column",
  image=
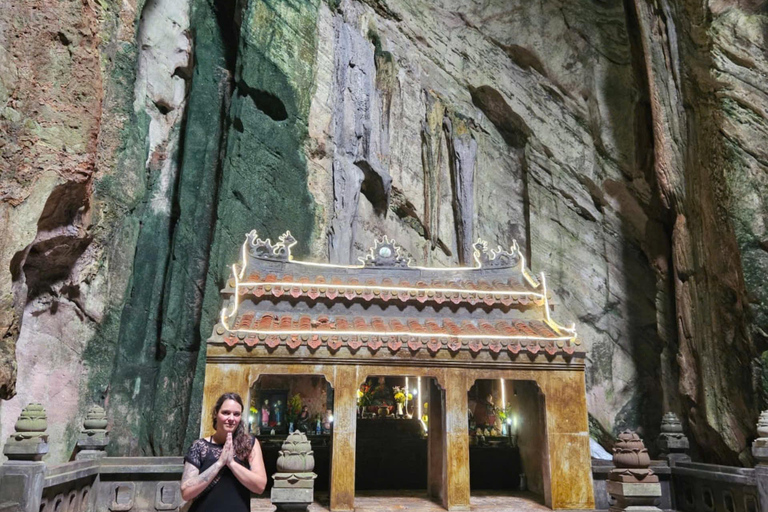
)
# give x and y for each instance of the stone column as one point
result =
(632, 483)
(760, 452)
(294, 486)
(456, 467)
(94, 438)
(672, 441)
(22, 478)
(342, 484)
(568, 475)
(436, 454)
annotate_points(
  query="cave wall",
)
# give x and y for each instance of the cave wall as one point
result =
(622, 144)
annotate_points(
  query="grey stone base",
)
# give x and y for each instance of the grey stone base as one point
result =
(292, 499)
(635, 509)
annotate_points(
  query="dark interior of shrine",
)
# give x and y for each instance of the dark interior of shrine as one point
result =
(392, 425)
(505, 420)
(506, 436)
(280, 403)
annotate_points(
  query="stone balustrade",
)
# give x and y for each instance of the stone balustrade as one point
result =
(147, 484)
(92, 482)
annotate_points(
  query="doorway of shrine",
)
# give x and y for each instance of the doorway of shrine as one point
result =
(507, 438)
(280, 404)
(392, 428)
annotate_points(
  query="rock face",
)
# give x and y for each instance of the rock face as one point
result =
(622, 144)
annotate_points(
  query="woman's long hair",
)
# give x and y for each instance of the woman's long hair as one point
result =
(240, 438)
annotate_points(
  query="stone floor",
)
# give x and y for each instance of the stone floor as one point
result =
(411, 501)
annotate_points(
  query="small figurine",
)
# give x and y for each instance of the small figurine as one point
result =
(302, 423)
(279, 413)
(265, 413)
(327, 421)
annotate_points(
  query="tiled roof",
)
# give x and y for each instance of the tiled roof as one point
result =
(456, 291)
(374, 332)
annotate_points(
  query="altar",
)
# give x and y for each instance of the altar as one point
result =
(445, 328)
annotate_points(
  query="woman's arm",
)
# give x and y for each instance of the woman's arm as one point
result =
(193, 482)
(255, 478)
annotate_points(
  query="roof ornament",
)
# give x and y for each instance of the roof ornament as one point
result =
(496, 258)
(264, 250)
(385, 253)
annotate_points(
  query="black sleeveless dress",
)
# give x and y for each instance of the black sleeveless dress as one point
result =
(225, 492)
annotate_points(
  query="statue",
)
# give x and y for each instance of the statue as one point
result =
(327, 421)
(302, 423)
(485, 412)
(279, 413)
(382, 394)
(265, 413)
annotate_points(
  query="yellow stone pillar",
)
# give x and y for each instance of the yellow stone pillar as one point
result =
(456, 487)
(345, 387)
(436, 455)
(570, 463)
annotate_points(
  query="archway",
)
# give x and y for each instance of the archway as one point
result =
(507, 438)
(278, 404)
(391, 452)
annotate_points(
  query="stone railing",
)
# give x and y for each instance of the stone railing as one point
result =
(69, 487)
(92, 482)
(686, 486)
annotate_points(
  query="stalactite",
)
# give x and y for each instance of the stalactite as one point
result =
(357, 167)
(432, 161)
(462, 153)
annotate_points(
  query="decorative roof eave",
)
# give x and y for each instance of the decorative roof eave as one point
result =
(387, 254)
(395, 343)
(272, 284)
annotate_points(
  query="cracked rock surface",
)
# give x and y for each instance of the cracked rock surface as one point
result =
(622, 144)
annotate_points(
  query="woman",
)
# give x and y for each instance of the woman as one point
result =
(222, 471)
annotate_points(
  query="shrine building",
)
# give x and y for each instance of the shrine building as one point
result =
(441, 331)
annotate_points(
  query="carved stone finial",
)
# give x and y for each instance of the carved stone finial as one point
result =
(386, 253)
(760, 445)
(496, 258)
(632, 483)
(265, 250)
(30, 441)
(294, 481)
(672, 440)
(94, 437)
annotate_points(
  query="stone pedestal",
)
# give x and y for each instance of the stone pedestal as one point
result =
(22, 478)
(294, 481)
(760, 453)
(632, 484)
(672, 441)
(94, 438)
(21, 483)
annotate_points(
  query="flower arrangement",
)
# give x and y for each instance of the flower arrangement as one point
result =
(293, 408)
(364, 396)
(401, 395)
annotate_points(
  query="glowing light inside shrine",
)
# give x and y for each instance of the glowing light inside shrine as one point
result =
(503, 396)
(418, 400)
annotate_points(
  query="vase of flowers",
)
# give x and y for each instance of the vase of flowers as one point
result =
(401, 395)
(364, 398)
